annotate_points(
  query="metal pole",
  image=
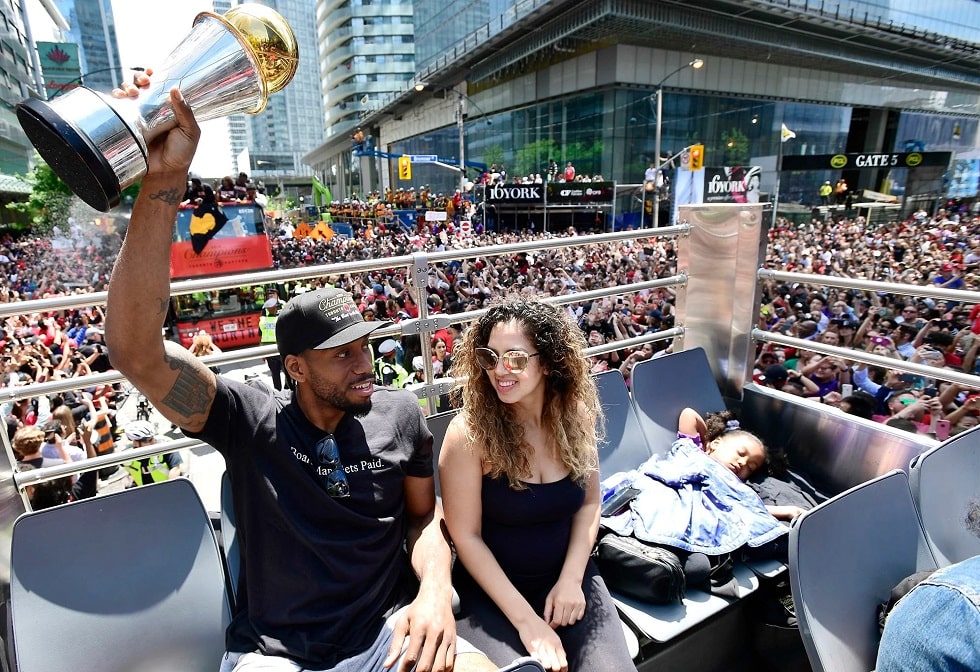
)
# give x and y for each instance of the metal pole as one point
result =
(779, 170)
(656, 159)
(462, 148)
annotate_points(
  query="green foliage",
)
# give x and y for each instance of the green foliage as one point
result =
(533, 158)
(131, 192)
(587, 158)
(736, 147)
(50, 201)
(493, 154)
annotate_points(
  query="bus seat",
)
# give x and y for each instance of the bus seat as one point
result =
(229, 537)
(663, 623)
(845, 557)
(128, 581)
(664, 386)
(632, 641)
(439, 425)
(947, 496)
(624, 447)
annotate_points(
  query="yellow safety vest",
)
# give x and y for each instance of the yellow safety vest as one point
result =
(267, 327)
(148, 470)
(383, 368)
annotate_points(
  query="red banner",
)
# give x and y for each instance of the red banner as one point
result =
(221, 257)
(235, 331)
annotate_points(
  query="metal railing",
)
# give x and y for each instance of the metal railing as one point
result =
(853, 354)
(417, 267)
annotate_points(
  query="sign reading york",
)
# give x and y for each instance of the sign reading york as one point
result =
(557, 192)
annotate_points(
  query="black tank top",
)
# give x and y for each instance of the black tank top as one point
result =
(528, 530)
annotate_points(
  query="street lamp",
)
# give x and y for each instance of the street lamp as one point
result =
(697, 64)
(80, 80)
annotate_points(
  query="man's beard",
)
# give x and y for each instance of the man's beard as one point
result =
(335, 396)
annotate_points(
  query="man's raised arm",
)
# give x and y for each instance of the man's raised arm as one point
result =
(175, 382)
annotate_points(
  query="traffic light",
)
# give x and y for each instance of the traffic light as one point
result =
(404, 168)
(697, 157)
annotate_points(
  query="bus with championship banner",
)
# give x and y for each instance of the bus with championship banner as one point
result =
(211, 240)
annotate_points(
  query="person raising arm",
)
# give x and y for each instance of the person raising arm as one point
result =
(330, 482)
(174, 381)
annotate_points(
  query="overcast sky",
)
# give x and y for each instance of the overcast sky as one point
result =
(147, 32)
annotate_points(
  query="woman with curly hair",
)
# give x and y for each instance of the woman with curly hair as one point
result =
(520, 487)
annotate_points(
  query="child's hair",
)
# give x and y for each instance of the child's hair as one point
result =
(202, 344)
(726, 422)
(721, 423)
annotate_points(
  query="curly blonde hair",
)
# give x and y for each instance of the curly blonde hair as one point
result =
(202, 344)
(492, 425)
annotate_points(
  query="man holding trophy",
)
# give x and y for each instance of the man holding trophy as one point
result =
(330, 481)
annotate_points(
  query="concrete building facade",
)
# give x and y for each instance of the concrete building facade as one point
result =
(576, 80)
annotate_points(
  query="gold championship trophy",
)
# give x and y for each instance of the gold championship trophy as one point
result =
(228, 64)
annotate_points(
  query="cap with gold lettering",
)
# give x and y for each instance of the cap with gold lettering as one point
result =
(325, 318)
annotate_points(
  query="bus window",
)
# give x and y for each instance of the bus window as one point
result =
(230, 316)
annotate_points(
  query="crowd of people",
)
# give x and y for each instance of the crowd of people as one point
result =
(378, 210)
(347, 557)
(940, 251)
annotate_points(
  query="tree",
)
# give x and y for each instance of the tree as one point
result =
(51, 201)
(493, 154)
(533, 157)
(736, 149)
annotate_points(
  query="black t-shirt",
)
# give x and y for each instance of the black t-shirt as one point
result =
(319, 575)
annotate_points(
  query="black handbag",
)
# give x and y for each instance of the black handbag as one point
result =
(640, 570)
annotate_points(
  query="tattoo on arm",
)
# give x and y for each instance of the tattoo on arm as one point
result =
(191, 393)
(168, 196)
(163, 305)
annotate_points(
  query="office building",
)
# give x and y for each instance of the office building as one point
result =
(20, 79)
(293, 122)
(578, 80)
(92, 28)
(366, 51)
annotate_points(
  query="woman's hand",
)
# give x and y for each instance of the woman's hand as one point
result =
(543, 644)
(565, 604)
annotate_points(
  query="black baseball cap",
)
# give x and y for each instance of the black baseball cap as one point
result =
(321, 319)
(775, 374)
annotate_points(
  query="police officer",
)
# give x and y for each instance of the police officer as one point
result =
(152, 469)
(387, 371)
(825, 191)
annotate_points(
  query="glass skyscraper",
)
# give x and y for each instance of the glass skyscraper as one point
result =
(577, 80)
(293, 122)
(93, 29)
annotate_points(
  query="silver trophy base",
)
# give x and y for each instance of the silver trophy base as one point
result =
(78, 148)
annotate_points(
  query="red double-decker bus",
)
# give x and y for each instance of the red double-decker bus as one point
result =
(230, 316)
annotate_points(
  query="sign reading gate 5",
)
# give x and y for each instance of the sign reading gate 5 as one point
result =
(867, 160)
